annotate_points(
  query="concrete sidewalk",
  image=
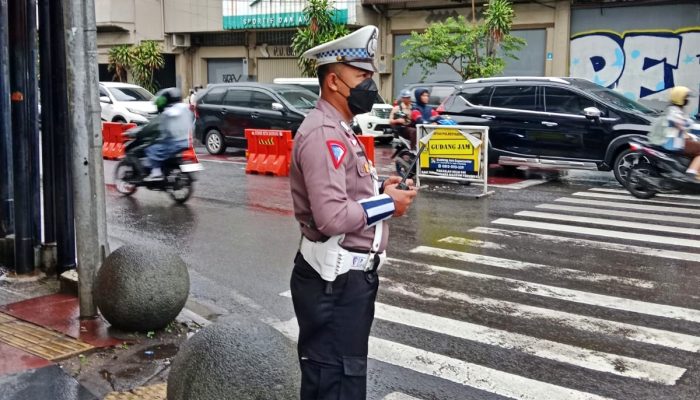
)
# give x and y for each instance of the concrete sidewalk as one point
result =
(47, 352)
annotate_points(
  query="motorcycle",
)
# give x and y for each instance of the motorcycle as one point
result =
(178, 172)
(658, 171)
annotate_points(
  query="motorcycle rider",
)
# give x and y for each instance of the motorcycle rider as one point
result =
(672, 130)
(175, 121)
(404, 123)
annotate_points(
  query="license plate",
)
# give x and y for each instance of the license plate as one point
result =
(191, 167)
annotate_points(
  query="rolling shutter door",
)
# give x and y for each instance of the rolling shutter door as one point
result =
(271, 68)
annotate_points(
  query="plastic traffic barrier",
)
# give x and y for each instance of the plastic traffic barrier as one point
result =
(113, 139)
(368, 143)
(269, 151)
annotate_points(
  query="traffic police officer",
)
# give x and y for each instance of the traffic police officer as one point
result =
(341, 207)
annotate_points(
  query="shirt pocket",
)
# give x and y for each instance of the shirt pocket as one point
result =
(363, 167)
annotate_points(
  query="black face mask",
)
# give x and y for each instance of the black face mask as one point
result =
(362, 96)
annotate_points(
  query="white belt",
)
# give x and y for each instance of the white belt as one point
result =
(331, 260)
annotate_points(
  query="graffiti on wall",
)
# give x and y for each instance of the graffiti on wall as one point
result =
(642, 65)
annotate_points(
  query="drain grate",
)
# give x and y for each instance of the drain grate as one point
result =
(39, 341)
(155, 392)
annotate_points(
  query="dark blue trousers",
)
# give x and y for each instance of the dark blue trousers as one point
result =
(333, 331)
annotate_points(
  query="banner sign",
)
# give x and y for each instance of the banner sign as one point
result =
(454, 153)
(265, 14)
(450, 153)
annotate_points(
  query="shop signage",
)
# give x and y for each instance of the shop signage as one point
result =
(450, 153)
(265, 14)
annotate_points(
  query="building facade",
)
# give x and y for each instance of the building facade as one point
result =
(211, 41)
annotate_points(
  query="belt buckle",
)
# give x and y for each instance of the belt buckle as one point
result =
(372, 261)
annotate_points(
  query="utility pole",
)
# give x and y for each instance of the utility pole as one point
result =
(84, 121)
(7, 208)
(65, 217)
(20, 88)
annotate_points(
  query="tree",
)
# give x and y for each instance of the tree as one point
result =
(141, 61)
(322, 28)
(473, 50)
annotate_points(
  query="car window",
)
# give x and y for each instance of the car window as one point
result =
(214, 96)
(131, 94)
(478, 96)
(301, 99)
(516, 97)
(261, 101)
(439, 93)
(103, 93)
(558, 100)
(237, 98)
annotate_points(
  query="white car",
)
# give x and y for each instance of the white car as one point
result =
(374, 123)
(124, 102)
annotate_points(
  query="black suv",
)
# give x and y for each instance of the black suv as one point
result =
(225, 111)
(555, 123)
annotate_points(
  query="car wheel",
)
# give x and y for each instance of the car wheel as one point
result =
(624, 162)
(214, 142)
(119, 120)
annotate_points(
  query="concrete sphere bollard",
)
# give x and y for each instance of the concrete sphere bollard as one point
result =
(236, 358)
(141, 288)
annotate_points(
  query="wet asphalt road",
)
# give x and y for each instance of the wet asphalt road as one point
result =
(568, 289)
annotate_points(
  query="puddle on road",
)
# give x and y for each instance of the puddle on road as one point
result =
(158, 352)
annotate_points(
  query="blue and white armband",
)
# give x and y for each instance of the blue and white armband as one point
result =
(378, 208)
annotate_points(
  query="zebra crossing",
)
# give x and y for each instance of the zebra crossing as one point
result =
(590, 296)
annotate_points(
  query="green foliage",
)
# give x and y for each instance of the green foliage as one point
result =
(141, 61)
(322, 28)
(120, 58)
(471, 50)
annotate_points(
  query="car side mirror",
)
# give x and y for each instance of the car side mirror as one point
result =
(592, 113)
(278, 107)
(105, 99)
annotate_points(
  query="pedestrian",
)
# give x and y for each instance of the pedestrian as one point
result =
(341, 207)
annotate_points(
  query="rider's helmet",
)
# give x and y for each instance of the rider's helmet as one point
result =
(167, 97)
(679, 96)
(405, 93)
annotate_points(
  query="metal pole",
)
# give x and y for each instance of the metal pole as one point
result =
(21, 127)
(7, 208)
(88, 185)
(47, 131)
(65, 221)
(33, 125)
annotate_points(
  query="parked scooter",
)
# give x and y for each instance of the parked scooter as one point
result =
(658, 171)
(131, 171)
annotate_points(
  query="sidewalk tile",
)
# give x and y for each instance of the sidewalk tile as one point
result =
(13, 360)
(61, 312)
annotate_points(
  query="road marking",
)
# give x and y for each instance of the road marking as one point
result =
(458, 371)
(589, 244)
(629, 198)
(598, 232)
(618, 213)
(630, 206)
(472, 243)
(399, 396)
(610, 222)
(523, 266)
(519, 185)
(538, 347)
(576, 296)
(670, 196)
(621, 330)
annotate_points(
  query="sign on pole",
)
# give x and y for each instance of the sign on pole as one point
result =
(454, 153)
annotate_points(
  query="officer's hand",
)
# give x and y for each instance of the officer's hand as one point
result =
(394, 179)
(402, 198)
